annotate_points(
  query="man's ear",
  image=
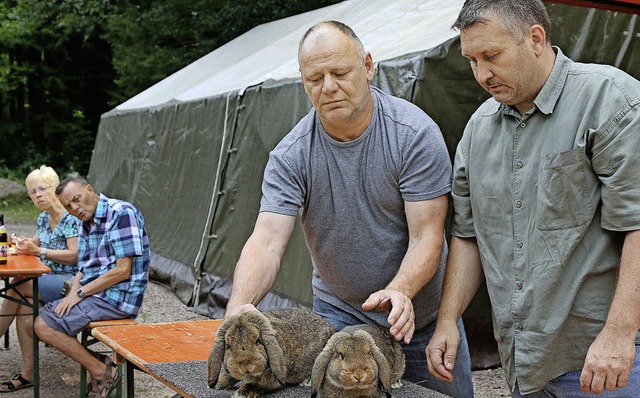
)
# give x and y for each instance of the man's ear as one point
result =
(538, 39)
(368, 64)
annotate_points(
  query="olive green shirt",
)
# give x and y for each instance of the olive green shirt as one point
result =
(549, 196)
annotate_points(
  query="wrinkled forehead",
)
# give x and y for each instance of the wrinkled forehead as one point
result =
(71, 190)
(327, 39)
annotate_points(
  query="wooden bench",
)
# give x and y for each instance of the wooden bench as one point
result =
(87, 339)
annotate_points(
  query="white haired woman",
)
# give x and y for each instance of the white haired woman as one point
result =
(56, 243)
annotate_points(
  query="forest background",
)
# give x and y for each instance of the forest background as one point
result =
(65, 63)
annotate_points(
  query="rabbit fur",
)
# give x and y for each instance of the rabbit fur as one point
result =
(362, 361)
(266, 350)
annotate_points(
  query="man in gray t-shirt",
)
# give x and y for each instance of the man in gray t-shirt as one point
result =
(371, 174)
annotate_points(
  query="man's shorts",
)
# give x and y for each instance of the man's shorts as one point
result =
(88, 310)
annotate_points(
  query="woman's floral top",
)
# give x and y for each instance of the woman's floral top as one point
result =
(57, 239)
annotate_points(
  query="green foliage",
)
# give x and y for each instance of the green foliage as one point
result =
(18, 207)
(63, 63)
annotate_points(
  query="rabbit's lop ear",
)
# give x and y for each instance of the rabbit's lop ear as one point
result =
(275, 354)
(321, 363)
(216, 356)
(384, 371)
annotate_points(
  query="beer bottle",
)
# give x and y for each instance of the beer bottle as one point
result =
(4, 246)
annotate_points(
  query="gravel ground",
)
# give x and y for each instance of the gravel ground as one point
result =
(60, 376)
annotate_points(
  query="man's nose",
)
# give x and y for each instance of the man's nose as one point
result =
(483, 73)
(329, 84)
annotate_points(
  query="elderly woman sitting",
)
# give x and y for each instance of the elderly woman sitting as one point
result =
(56, 243)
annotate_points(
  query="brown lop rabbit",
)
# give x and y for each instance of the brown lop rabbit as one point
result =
(266, 350)
(360, 361)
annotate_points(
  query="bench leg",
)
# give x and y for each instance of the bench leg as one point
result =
(128, 379)
(84, 340)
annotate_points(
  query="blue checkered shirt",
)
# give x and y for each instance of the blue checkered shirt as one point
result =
(118, 232)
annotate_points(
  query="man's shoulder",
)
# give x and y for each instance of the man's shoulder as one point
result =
(118, 206)
(595, 77)
(391, 102)
(400, 110)
(299, 136)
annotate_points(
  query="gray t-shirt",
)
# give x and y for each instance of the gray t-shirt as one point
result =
(352, 195)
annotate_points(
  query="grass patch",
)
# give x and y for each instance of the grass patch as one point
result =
(18, 207)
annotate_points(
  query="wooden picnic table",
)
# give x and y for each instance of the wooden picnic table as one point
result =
(176, 354)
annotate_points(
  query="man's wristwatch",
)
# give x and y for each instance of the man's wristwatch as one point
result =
(80, 292)
(43, 253)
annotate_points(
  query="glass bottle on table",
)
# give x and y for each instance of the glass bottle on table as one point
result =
(4, 243)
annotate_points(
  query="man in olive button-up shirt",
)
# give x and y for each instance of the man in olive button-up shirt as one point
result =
(546, 190)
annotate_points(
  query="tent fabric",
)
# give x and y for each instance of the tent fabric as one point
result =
(190, 151)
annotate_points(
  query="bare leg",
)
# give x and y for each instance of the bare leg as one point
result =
(24, 327)
(10, 307)
(71, 347)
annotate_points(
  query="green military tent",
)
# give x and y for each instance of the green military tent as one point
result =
(190, 151)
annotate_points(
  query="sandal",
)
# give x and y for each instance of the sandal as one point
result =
(10, 386)
(93, 388)
(109, 382)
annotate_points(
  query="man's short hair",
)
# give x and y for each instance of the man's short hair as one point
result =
(339, 26)
(72, 177)
(518, 16)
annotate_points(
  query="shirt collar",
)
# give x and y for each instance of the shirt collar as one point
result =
(547, 98)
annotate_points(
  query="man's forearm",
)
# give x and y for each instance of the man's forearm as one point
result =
(624, 313)
(463, 278)
(251, 282)
(418, 266)
(117, 274)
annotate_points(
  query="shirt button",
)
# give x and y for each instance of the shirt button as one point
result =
(523, 125)
(519, 245)
(519, 165)
(518, 204)
(519, 285)
(519, 327)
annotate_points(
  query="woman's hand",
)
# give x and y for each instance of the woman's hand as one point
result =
(27, 246)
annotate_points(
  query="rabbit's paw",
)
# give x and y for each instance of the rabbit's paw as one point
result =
(246, 391)
(396, 384)
(306, 382)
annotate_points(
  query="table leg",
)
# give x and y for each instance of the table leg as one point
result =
(36, 345)
(128, 379)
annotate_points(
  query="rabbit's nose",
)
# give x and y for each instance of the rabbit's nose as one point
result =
(358, 375)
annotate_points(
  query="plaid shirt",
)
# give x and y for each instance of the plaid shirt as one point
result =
(118, 232)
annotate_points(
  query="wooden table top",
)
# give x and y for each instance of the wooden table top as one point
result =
(148, 343)
(24, 266)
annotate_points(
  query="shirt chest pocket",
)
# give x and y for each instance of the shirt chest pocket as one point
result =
(565, 190)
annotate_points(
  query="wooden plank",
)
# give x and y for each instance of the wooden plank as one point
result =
(23, 266)
(160, 342)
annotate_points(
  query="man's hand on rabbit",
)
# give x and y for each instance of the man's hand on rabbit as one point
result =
(400, 309)
(239, 310)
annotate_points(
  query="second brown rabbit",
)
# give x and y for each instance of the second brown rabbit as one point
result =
(360, 361)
